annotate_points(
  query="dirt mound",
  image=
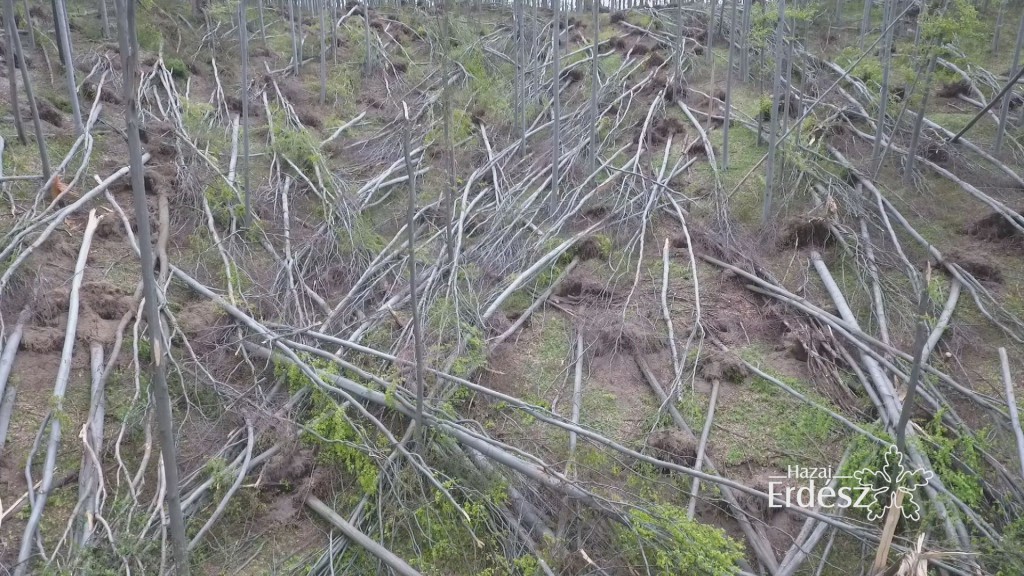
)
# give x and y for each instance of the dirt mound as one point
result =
(608, 332)
(977, 264)
(667, 126)
(106, 300)
(802, 233)
(46, 339)
(672, 445)
(995, 226)
(955, 89)
(722, 366)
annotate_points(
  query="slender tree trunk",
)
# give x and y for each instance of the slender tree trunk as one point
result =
(883, 104)
(58, 30)
(104, 19)
(30, 95)
(595, 82)
(865, 23)
(745, 51)
(449, 147)
(263, 25)
(915, 139)
(11, 75)
(728, 88)
(296, 50)
(1004, 110)
(243, 31)
(680, 43)
(556, 97)
(368, 65)
(773, 127)
(29, 28)
(999, 26)
(413, 301)
(161, 399)
(520, 74)
(323, 52)
(69, 65)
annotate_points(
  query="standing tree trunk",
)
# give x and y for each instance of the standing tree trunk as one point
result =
(128, 44)
(296, 50)
(594, 83)
(64, 38)
(773, 125)
(104, 19)
(889, 12)
(728, 88)
(29, 28)
(368, 65)
(12, 83)
(449, 146)
(1004, 110)
(30, 95)
(865, 22)
(745, 51)
(417, 331)
(556, 85)
(520, 112)
(323, 52)
(243, 31)
(915, 139)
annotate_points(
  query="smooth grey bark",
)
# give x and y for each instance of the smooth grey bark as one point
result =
(417, 331)
(728, 88)
(999, 26)
(915, 138)
(680, 42)
(865, 22)
(520, 73)
(368, 65)
(876, 150)
(243, 31)
(69, 64)
(1004, 110)
(323, 52)
(745, 52)
(556, 108)
(449, 146)
(128, 44)
(296, 51)
(104, 19)
(12, 78)
(30, 95)
(594, 83)
(920, 341)
(773, 126)
(28, 26)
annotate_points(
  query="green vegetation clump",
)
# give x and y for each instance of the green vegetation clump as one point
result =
(668, 542)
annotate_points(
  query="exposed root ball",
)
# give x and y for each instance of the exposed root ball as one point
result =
(617, 17)
(673, 446)
(995, 226)
(667, 126)
(813, 232)
(608, 333)
(955, 89)
(49, 113)
(722, 366)
(977, 264)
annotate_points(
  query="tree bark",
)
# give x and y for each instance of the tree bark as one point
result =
(243, 31)
(19, 55)
(64, 38)
(773, 126)
(161, 399)
(12, 78)
(556, 97)
(1004, 110)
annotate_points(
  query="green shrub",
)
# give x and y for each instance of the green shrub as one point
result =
(669, 543)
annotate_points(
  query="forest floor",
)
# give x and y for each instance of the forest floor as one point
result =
(660, 231)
